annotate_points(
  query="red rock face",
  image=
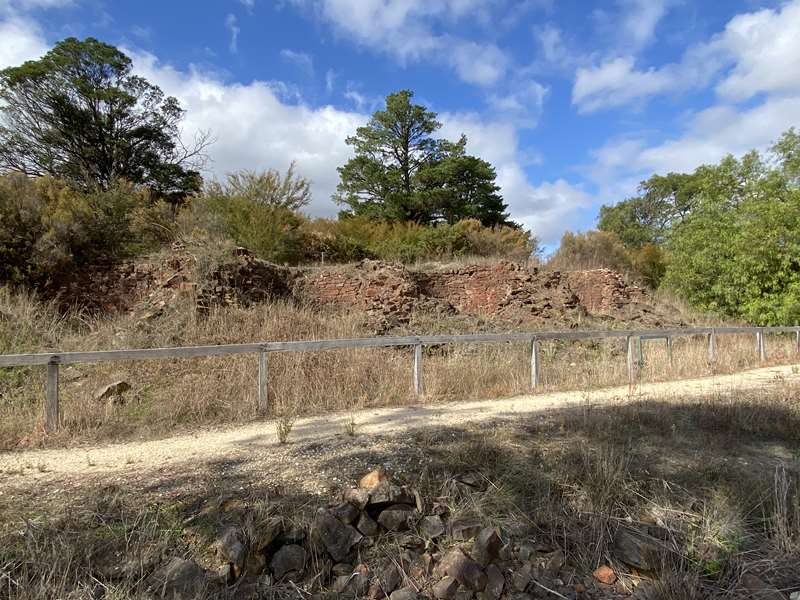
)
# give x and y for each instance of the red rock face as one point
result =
(387, 293)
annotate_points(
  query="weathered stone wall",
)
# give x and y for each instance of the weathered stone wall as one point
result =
(604, 291)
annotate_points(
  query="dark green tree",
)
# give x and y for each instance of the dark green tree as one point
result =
(400, 172)
(663, 200)
(79, 113)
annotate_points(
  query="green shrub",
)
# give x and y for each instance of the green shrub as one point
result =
(48, 228)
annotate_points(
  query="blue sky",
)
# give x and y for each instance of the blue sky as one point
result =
(573, 102)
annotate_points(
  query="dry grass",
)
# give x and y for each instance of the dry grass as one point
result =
(718, 476)
(171, 394)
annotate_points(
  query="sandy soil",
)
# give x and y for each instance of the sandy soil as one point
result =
(256, 443)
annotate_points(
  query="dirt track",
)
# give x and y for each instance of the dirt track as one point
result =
(256, 443)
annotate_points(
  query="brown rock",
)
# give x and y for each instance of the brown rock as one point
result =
(486, 546)
(422, 567)
(464, 530)
(605, 574)
(555, 561)
(637, 549)
(396, 518)
(373, 479)
(386, 494)
(289, 559)
(468, 573)
(340, 569)
(446, 588)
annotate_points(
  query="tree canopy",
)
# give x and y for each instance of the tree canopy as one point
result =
(400, 172)
(730, 232)
(79, 113)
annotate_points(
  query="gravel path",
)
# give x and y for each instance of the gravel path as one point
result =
(257, 442)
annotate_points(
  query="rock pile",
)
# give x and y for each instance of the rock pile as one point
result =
(383, 540)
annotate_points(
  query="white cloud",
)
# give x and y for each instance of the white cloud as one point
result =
(404, 29)
(765, 46)
(233, 28)
(22, 40)
(330, 80)
(301, 59)
(256, 128)
(639, 20)
(523, 106)
(547, 209)
(759, 51)
(248, 4)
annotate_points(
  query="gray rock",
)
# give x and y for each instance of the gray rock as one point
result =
(231, 548)
(179, 579)
(340, 569)
(495, 582)
(522, 577)
(116, 388)
(446, 588)
(463, 530)
(406, 593)
(431, 527)
(386, 494)
(289, 559)
(637, 549)
(346, 512)
(356, 583)
(367, 525)
(358, 497)
(465, 570)
(336, 537)
(487, 546)
(396, 518)
(526, 552)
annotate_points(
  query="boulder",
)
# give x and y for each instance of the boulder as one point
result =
(346, 512)
(386, 494)
(522, 577)
(465, 570)
(178, 579)
(637, 549)
(336, 537)
(446, 588)
(396, 518)
(231, 549)
(487, 546)
(289, 559)
(367, 525)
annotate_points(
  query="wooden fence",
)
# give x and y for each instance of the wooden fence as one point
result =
(52, 360)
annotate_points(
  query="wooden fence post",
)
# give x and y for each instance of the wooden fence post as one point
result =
(669, 350)
(762, 351)
(535, 380)
(418, 385)
(52, 418)
(263, 390)
(797, 341)
(712, 346)
(631, 361)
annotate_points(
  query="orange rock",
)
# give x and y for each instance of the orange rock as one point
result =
(580, 588)
(604, 574)
(373, 479)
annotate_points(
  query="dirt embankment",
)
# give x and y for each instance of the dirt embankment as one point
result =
(388, 293)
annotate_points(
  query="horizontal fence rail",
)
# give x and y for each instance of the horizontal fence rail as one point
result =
(52, 360)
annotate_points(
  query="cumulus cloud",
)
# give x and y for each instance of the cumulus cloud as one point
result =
(640, 18)
(756, 52)
(22, 40)
(405, 29)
